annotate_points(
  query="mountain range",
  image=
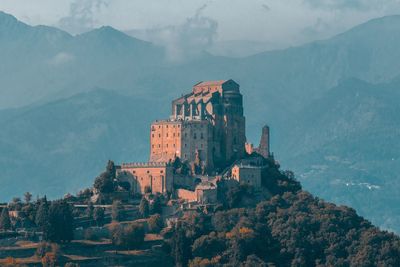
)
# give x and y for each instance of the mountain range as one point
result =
(70, 103)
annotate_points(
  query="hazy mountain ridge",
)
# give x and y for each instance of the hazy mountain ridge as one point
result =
(348, 151)
(61, 146)
(51, 63)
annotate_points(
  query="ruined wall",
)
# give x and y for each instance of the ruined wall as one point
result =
(263, 148)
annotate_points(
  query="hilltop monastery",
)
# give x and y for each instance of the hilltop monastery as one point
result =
(206, 134)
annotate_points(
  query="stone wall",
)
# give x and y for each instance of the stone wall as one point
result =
(247, 174)
(158, 178)
(188, 195)
(165, 140)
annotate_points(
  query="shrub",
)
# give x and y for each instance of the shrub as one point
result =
(90, 234)
(128, 236)
(155, 223)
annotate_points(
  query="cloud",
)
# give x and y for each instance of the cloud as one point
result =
(61, 59)
(81, 16)
(185, 41)
(266, 7)
(358, 5)
(317, 30)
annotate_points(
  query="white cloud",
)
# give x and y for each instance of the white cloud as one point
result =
(283, 22)
(61, 59)
(186, 40)
(81, 15)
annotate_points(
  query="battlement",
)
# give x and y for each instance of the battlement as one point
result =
(144, 165)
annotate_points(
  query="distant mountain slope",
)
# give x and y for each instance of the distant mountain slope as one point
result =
(345, 147)
(44, 63)
(59, 147)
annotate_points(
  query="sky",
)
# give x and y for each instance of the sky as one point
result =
(274, 23)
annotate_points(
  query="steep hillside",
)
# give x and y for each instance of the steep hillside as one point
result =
(293, 229)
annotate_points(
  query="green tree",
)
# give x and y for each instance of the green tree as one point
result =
(16, 204)
(156, 206)
(90, 210)
(42, 219)
(128, 236)
(61, 222)
(98, 216)
(155, 223)
(208, 246)
(105, 182)
(27, 197)
(5, 222)
(180, 247)
(144, 207)
(117, 211)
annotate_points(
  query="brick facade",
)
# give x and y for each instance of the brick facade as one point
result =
(206, 125)
(157, 176)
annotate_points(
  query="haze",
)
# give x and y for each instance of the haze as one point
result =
(224, 27)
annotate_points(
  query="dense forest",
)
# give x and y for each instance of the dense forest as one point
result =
(293, 228)
(278, 225)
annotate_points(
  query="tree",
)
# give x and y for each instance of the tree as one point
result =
(117, 211)
(155, 223)
(16, 204)
(144, 207)
(155, 206)
(134, 234)
(5, 222)
(42, 219)
(105, 182)
(208, 246)
(27, 197)
(110, 169)
(61, 222)
(129, 236)
(180, 247)
(90, 210)
(98, 215)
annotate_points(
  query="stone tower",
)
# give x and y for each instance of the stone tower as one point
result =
(264, 149)
(207, 125)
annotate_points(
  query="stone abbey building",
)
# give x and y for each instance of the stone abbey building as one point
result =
(207, 126)
(206, 130)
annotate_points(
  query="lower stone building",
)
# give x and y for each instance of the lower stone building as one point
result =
(204, 193)
(247, 174)
(156, 176)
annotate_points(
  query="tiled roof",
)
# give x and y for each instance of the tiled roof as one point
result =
(210, 83)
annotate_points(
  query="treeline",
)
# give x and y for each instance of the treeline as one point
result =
(54, 219)
(292, 229)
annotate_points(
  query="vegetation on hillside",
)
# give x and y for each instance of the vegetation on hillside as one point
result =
(293, 229)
